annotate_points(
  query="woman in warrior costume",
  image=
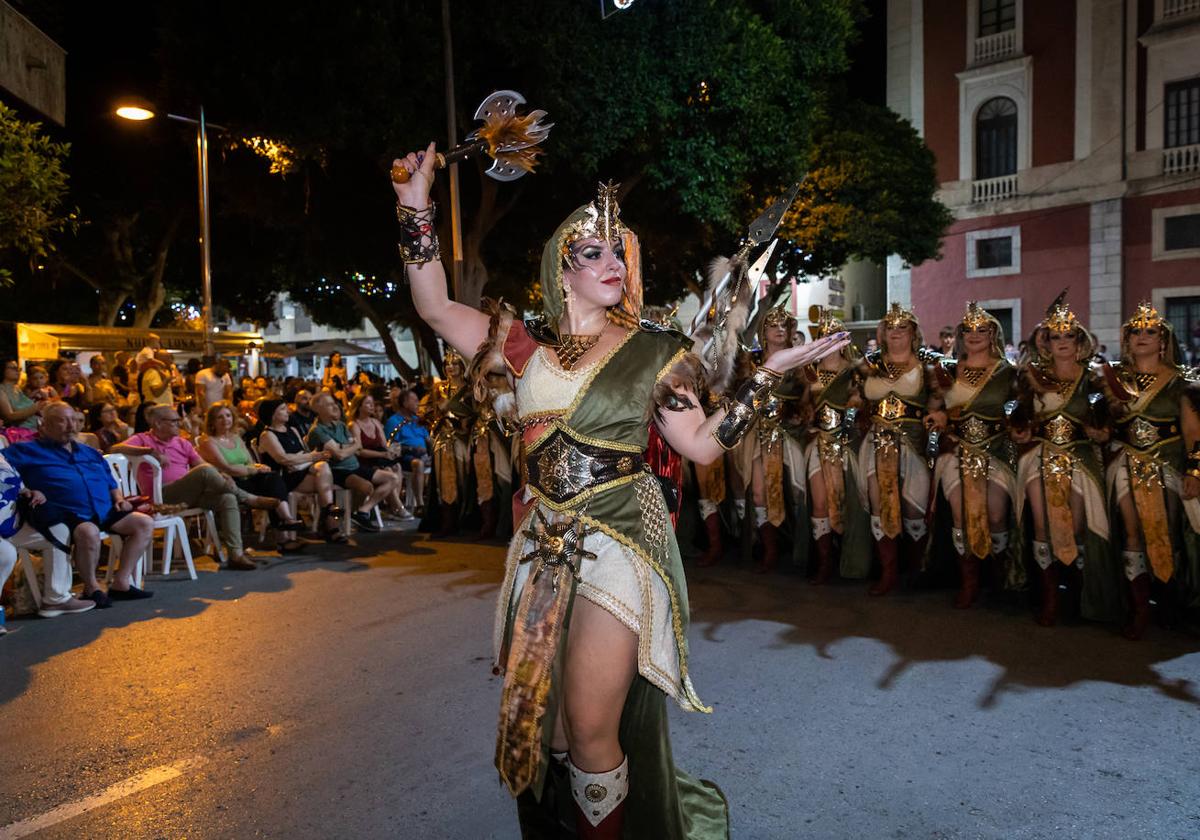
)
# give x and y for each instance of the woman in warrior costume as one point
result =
(1061, 475)
(979, 475)
(492, 446)
(770, 459)
(448, 413)
(832, 489)
(582, 730)
(1155, 479)
(891, 458)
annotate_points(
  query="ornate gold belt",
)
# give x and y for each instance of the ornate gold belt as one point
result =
(1143, 434)
(1060, 430)
(895, 410)
(974, 429)
(829, 419)
(562, 468)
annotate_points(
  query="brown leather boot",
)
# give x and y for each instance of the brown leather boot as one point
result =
(824, 560)
(1139, 619)
(889, 562)
(490, 513)
(968, 567)
(446, 522)
(769, 535)
(1048, 614)
(712, 554)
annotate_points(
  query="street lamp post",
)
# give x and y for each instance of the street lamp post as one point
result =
(141, 112)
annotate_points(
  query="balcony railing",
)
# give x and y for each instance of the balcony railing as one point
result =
(993, 189)
(1181, 158)
(1172, 8)
(990, 48)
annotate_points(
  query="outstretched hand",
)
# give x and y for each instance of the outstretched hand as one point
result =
(419, 165)
(807, 354)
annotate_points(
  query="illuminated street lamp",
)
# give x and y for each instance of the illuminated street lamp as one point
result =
(139, 110)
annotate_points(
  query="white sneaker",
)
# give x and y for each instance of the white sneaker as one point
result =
(71, 606)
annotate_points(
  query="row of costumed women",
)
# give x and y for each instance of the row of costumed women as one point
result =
(1064, 475)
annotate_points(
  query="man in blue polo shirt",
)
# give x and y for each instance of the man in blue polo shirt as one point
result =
(81, 493)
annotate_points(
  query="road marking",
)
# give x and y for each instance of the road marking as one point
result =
(130, 786)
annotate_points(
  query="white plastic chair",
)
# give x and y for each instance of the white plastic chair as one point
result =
(28, 542)
(172, 526)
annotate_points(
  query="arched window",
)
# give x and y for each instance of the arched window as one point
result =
(996, 138)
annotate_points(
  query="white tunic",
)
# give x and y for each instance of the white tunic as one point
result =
(618, 580)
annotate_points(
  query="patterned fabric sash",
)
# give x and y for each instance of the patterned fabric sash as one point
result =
(482, 459)
(713, 485)
(832, 471)
(1057, 470)
(772, 454)
(973, 464)
(1146, 486)
(447, 476)
(524, 701)
(887, 473)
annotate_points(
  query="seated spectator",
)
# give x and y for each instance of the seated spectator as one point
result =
(331, 435)
(222, 447)
(106, 424)
(191, 420)
(214, 385)
(301, 416)
(373, 447)
(37, 383)
(104, 390)
(405, 428)
(19, 412)
(82, 435)
(68, 383)
(303, 471)
(188, 480)
(80, 493)
(56, 589)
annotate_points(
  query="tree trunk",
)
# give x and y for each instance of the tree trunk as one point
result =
(382, 327)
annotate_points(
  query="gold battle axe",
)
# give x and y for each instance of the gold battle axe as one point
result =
(512, 141)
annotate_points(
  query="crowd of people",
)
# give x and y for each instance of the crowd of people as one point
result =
(220, 448)
(1029, 471)
(1064, 475)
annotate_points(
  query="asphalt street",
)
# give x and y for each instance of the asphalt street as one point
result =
(349, 694)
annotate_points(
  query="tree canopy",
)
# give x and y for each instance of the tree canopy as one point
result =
(33, 192)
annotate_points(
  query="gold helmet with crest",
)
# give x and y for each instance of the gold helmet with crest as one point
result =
(777, 316)
(1060, 321)
(1146, 317)
(977, 318)
(897, 317)
(599, 219)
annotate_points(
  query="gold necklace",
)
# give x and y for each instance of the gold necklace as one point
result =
(571, 348)
(894, 372)
(1145, 380)
(826, 376)
(972, 375)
